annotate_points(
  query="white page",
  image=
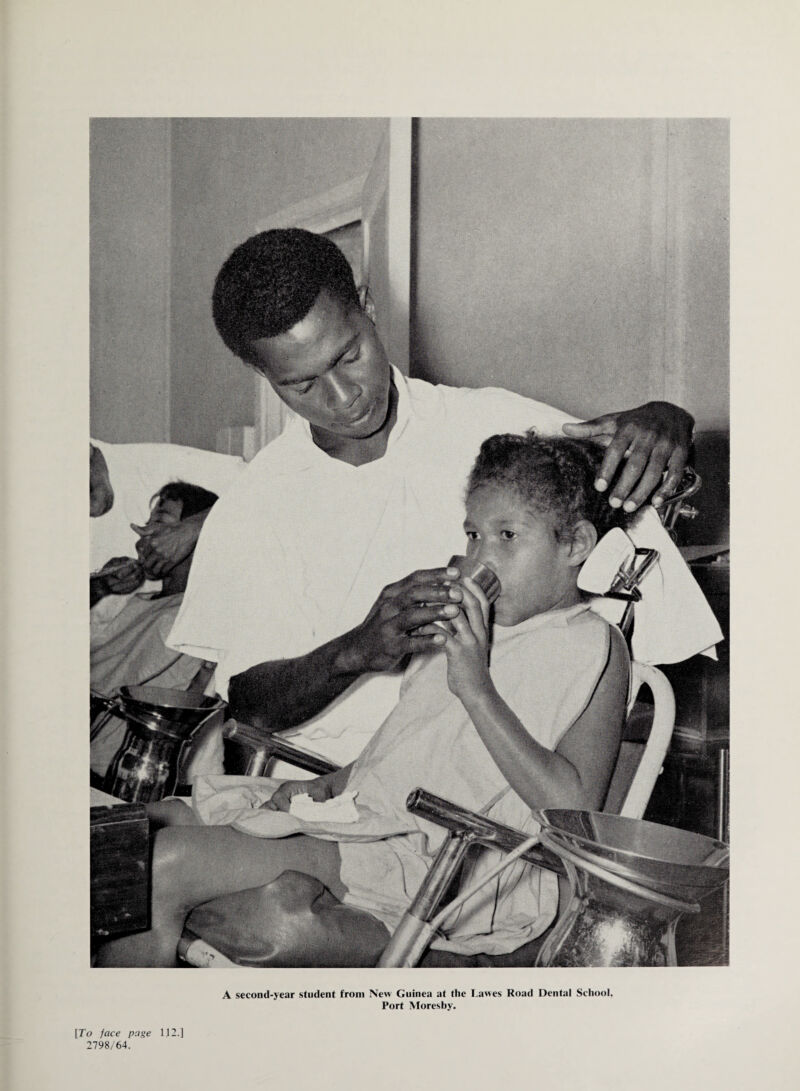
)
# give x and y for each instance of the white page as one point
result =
(67, 62)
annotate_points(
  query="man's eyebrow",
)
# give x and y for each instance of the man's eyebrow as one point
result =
(342, 352)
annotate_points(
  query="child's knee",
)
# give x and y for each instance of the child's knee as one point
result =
(171, 812)
(172, 852)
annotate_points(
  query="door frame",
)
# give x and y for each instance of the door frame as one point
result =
(351, 201)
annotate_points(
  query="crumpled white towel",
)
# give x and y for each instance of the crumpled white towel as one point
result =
(340, 808)
(673, 621)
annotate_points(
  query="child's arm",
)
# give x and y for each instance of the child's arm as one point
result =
(577, 773)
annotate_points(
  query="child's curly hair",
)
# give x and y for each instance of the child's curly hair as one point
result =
(553, 476)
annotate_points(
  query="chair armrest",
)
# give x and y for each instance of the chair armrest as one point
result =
(265, 748)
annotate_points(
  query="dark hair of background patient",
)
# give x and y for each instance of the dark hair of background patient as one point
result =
(270, 283)
(193, 498)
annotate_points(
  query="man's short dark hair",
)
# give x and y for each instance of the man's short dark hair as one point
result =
(193, 498)
(270, 283)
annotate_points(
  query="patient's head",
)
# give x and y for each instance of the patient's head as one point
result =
(173, 503)
(101, 494)
(270, 283)
(533, 517)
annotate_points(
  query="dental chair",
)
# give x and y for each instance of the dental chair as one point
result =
(633, 779)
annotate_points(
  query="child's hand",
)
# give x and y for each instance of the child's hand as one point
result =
(319, 789)
(467, 646)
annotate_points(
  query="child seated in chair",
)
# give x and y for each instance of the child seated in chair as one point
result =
(520, 707)
(133, 650)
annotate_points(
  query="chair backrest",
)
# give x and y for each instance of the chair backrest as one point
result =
(639, 764)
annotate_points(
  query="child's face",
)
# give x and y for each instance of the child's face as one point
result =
(164, 513)
(520, 546)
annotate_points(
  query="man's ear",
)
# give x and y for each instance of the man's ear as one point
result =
(366, 302)
(582, 542)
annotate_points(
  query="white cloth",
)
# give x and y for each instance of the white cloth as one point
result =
(137, 471)
(672, 621)
(301, 546)
(546, 669)
(135, 653)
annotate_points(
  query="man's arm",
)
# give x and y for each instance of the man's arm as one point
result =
(283, 693)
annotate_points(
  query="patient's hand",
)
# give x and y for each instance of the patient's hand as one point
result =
(163, 545)
(467, 646)
(119, 576)
(319, 789)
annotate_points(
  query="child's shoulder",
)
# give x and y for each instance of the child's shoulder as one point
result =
(577, 635)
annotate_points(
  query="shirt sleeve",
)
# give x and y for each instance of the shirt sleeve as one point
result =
(500, 411)
(205, 627)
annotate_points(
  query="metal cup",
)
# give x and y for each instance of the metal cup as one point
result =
(479, 573)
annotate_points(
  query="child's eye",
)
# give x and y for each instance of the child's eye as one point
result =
(508, 535)
(304, 389)
(472, 535)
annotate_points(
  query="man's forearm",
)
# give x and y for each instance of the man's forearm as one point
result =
(283, 693)
(97, 590)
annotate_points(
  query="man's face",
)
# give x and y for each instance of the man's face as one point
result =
(331, 369)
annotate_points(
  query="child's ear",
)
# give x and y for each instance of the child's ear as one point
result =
(583, 541)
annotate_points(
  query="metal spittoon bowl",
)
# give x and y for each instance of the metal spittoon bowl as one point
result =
(630, 882)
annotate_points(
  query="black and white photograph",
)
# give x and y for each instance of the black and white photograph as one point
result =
(335, 394)
(435, 364)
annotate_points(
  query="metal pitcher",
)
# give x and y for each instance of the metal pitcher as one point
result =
(160, 724)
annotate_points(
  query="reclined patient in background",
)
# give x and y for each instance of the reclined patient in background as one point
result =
(510, 713)
(133, 650)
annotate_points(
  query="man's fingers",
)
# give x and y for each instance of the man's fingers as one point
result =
(642, 486)
(616, 451)
(596, 427)
(143, 532)
(414, 618)
(671, 483)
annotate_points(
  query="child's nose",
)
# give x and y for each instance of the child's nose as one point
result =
(485, 555)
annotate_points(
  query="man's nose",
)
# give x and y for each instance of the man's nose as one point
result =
(340, 393)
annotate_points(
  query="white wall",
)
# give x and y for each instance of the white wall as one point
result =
(169, 200)
(130, 278)
(226, 176)
(582, 262)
